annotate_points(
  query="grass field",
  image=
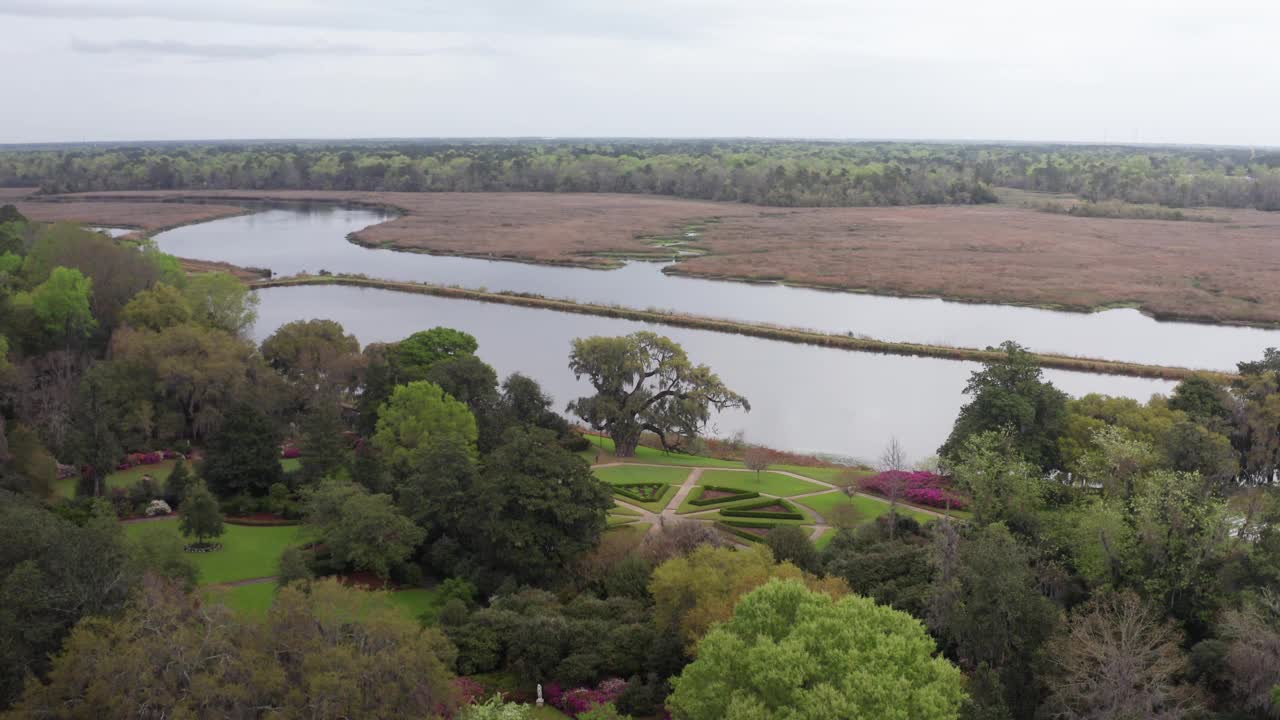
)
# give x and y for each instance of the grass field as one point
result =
(868, 508)
(252, 599)
(247, 552)
(641, 474)
(66, 487)
(256, 599)
(769, 483)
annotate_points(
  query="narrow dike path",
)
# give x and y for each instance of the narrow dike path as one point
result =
(769, 332)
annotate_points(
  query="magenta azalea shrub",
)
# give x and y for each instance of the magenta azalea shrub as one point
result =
(469, 690)
(919, 487)
(291, 452)
(579, 700)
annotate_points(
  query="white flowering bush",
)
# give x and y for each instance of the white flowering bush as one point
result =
(158, 507)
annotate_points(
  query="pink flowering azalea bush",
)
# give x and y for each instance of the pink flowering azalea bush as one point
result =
(470, 691)
(579, 700)
(919, 487)
(291, 451)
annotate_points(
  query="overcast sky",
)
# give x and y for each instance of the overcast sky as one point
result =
(1084, 70)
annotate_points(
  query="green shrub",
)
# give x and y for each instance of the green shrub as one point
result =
(739, 532)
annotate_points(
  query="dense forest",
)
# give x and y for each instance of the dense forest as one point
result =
(763, 172)
(1090, 557)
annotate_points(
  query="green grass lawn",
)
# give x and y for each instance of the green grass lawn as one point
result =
(624, 510)
(253, 599)
(256, 599)
(825, 474)
(826, 539)
(642, 474)
(247, 552)
(769, 483)
(617, 520)
(868, 508)
(66, 487)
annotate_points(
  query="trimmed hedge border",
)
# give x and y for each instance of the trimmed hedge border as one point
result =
(624, 490)
(738, 532)
(740, 495)
(749, 510)
(250, 522)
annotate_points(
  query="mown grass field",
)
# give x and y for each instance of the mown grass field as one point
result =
(66, 487)
(247, 552)
(769, 483)
(641, 474)
(868, 508)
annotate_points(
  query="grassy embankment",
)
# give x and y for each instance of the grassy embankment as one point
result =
(793, 335)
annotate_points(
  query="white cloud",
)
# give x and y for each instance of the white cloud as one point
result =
(1174, 71)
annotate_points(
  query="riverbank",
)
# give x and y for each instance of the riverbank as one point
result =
(791, 335)
(1218, 273)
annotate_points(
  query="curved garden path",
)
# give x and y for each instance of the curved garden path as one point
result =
(820, 524)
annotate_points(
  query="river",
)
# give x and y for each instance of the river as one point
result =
(311, 238)
(803, 398)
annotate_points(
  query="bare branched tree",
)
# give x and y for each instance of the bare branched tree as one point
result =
(677, 538)
(756, 458)
(1121, 660)
(894, 456)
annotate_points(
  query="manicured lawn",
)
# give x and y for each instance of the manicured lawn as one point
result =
(256, 599)
(617, 520)
(769, 483)
(826, 539)
(825, 474)
(247, 552)
(252, 599)
(641, 474)
(868, 508)
(624, 510)
(66, 487)
(546, 712)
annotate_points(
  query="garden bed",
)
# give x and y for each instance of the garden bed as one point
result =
(715, 495)
(768, 508)
(260, 520)
(643, 492)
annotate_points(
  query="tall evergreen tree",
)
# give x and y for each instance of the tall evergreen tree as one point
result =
(324, 450)
(244, 455)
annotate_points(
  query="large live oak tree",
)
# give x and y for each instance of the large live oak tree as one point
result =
(644, 381)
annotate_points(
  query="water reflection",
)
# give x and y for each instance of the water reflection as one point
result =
(803, 398)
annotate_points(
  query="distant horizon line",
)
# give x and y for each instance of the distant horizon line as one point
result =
(627, 138)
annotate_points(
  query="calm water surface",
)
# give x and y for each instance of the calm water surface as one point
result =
(803, 398)
(290, 240)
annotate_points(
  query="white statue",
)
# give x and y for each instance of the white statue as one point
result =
(540, 703)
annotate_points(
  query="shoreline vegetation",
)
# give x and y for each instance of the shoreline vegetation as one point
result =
(770, 332)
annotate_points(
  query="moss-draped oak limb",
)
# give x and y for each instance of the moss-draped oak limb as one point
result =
(770, 332)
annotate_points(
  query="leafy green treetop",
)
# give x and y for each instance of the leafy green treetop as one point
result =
(644, 381)
(789, 653)
(200, 515)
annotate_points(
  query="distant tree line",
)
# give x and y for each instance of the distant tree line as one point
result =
(762, 172)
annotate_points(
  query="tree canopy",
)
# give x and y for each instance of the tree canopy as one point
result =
(646, 382)
(1010, 394)
(789, 652)
(415, 415)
